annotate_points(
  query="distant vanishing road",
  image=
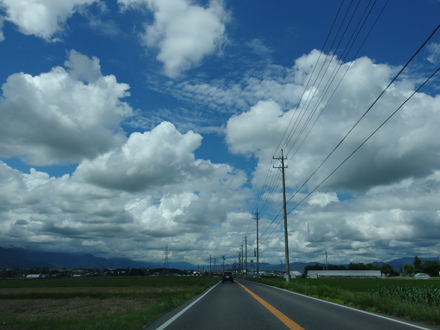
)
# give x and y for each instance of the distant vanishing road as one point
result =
(252, 306)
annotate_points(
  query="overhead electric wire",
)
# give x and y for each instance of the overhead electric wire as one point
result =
(432, 75)
(343, 162)
(375, 101)
(310, 77)
(368, 110)
(336, 69)
(310, 96)
(335, 72)
(271, 188)
(329, 62)
(266, 195)
(305, 89)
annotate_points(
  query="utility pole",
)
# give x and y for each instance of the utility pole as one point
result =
(258, 252)
(223, 262)
(286, 238)
(242, 259)
(239, 263)
(326, 260)
(210, 273)
(166, 265)
(245, 243)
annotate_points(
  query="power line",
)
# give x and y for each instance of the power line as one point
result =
(368, 110)
(271, 185)
(270, 189)
(311, 75)
(333, 76)
(375, 101)
(432, 75)
(343, 162)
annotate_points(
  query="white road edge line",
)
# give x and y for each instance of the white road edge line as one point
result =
(171, 320)
(348, 307)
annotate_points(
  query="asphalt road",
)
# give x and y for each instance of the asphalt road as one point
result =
(253, 306)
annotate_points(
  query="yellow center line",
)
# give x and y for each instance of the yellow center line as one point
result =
(283, 318)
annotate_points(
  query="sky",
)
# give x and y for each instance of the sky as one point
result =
(128, 127)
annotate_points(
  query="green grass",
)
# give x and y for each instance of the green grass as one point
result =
(100, 282)
(411, 299)
(135, 320)
(163, 303)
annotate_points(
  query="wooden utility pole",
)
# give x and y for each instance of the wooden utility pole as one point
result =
(286, 238)
(245, 244)
(258, 252)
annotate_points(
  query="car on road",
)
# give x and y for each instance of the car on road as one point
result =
(422, 276)
(227, 276)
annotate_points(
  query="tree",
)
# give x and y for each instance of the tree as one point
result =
(387, 269)
(356, 266)
(370, 266)
(313, 267)
(408, 269)
(418, 265)
(432, 267)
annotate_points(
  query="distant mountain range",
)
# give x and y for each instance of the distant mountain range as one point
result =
(17, 257)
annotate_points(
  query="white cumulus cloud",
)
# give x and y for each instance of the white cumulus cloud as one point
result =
(183, 32)
(2, 37)
(153, 158)
(391, 155)
(42, 18)
(54, 117)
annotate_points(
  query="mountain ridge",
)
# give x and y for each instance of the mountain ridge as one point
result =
(22, 258)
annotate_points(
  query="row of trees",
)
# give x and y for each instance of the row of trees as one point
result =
(430, 267)
(8, 272)
(385, 268)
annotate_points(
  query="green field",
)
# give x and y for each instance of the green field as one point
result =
(417, 300)
(133, 302)
(93, 303)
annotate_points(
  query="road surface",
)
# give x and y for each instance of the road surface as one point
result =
(253, 306)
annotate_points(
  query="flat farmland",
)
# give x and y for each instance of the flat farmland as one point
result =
(93, 303)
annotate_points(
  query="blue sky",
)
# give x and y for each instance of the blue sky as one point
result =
(130, 125)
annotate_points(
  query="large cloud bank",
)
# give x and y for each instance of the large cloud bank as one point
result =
(134, 194)
(131, 194)
(392, 181)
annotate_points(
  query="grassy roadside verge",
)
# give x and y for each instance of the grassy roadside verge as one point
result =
(157, 298)
(370, 295)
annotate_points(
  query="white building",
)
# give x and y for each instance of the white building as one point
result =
(344, 274)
